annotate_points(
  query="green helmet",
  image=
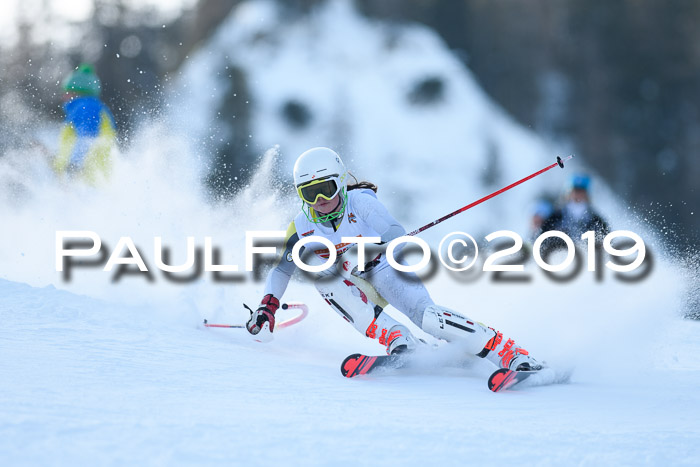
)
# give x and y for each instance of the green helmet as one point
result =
(83, 81)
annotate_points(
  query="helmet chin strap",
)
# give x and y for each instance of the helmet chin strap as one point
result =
(338, 206)
(334, 220)
(336, 209)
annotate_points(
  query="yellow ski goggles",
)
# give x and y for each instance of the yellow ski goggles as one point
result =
(326, 188)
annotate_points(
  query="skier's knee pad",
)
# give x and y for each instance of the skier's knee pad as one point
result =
(451, 326)
(349, 302)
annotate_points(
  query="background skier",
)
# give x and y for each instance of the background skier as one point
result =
(89, 133)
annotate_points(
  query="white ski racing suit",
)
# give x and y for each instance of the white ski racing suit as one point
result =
(351, 298)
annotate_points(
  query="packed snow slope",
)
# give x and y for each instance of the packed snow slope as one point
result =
(100, 369)
(88, 382)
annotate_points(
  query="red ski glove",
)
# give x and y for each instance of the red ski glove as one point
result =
(264, 314)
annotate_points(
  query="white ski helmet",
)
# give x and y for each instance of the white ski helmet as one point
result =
(319, 172)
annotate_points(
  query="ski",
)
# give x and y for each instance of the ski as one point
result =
(358, 364)
(508, 379)
(503, 378)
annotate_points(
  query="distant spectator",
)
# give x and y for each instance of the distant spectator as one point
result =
(543, 209)
(89, 133)
(577, 216)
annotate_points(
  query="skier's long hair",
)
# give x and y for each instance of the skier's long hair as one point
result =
(364, 184)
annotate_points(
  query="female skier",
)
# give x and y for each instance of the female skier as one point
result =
(333, 209)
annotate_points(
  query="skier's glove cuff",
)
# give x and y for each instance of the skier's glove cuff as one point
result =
(270, 303)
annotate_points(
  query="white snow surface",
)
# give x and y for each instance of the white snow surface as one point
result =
(105, 372)
(88, 382)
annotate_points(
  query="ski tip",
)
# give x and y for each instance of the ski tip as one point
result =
(504, 378)
(349, 367)
(357, 364)
(499, 378)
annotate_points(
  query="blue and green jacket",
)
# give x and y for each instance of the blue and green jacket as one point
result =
(86, 140)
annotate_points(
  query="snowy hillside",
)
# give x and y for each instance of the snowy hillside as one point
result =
(101, 369)
(356, 78)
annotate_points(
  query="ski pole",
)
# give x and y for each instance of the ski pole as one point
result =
(559, 162)
(210, 325)
(281, 325)
(304, 312)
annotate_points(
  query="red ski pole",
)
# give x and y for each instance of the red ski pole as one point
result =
(280, 325)
(559, 162)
